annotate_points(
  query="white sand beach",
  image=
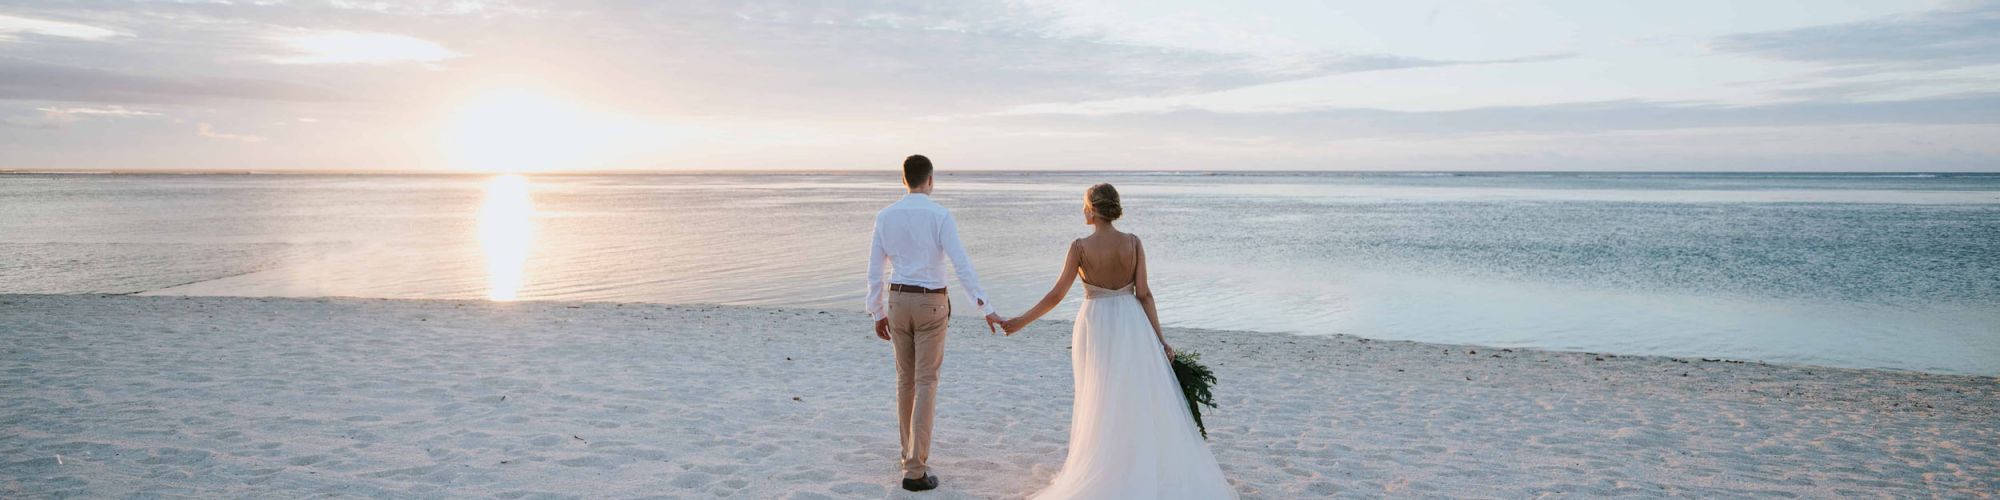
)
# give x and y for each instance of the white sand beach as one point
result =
(114, 396)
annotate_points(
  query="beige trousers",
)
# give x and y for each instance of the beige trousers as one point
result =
(917, 324)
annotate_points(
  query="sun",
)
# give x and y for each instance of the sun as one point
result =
(521, 130)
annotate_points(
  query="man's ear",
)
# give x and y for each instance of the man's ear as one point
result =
(930, 180)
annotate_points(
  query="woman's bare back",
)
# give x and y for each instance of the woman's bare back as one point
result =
(1108, 259)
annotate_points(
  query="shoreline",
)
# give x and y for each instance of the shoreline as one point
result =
(295, 396)
(1045, 320)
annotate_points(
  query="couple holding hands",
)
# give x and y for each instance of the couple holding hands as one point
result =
(1131, 435)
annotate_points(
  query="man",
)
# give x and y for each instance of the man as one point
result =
(915, 235)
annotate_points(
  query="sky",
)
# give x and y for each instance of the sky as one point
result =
(546, 85)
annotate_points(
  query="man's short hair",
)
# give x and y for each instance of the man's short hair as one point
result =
(916, 168)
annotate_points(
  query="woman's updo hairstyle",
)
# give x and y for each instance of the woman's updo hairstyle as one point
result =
(1104, 200)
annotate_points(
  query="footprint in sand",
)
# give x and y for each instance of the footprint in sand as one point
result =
(808, 476)
(418, 471)
(728, 488)
(719, 469)
(691, 480)
(861, 490)
(598, 461)
(611, 444)
(1321, 489)
(759, 451)
(169, 475)
(177, 456)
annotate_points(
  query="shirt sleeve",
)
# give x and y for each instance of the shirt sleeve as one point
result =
(876, 256)
(967, 277)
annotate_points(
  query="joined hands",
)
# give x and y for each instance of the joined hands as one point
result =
(1009, 325)
(1014, 325)
(994, 323)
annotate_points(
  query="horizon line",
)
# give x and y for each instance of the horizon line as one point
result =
(795, 171)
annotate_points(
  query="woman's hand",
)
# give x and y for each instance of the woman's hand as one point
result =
(1170, 350)
(1014, 325)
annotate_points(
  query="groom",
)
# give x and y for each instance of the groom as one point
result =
(914, 235)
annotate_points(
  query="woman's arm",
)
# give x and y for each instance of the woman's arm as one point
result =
(1055, 295)
(1145, 294)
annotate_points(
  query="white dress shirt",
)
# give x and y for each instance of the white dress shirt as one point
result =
(915, 235)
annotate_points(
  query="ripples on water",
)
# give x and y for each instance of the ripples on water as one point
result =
(1892, 270)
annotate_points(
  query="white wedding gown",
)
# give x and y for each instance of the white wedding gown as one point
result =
(1130, 434)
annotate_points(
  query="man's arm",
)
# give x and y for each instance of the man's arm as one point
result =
(961, 264)
(876, 256)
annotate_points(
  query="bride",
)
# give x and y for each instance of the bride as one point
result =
(1130, 433)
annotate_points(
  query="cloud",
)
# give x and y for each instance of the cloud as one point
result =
(209, 131)
(1577, 118)
(30, 80)
(757, 58)
(1436, 83)
(55, 117)
(908, 60)
(1891, 86)
(342, 47)
(1965, 35)
(12, 27)
(114, 111)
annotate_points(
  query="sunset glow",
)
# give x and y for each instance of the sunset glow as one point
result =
(535, 86)
(507, 234)
(528, 130)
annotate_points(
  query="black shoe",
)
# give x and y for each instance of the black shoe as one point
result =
(929, 482)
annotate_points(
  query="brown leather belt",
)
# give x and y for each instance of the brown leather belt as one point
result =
(898, 287)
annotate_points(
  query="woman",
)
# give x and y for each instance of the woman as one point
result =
(1130, 433)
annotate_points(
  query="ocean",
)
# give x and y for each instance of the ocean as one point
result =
(1895, 271)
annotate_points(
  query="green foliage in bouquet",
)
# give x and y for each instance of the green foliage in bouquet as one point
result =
(1195, 381)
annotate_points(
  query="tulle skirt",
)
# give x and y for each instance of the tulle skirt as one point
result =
(1130, 433)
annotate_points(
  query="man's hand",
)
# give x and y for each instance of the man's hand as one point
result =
(994, 319)
(882, 328)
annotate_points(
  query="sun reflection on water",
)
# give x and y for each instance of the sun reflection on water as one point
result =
(507, 234)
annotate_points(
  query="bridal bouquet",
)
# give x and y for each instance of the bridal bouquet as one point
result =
(1195, 381)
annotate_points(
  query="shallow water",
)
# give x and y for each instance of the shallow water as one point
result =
(1884, 270)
